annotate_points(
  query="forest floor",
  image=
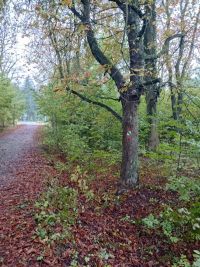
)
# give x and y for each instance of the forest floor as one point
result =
(107, 231)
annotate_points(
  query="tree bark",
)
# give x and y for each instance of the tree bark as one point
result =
(129, 166)
(173, 103)
(152, 91)
(179, 103)
(151, 102)
(130, 99)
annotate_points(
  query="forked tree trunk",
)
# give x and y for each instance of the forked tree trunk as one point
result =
(129, 168)
(130, 94)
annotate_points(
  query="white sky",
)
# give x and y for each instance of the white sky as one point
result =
(22, 67)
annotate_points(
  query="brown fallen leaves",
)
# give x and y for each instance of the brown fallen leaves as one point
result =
(17, 227)
(105, 233)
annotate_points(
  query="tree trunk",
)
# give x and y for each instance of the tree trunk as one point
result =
(130, 101)
(173, 104)
(153, 138)
(152, 91)
(179, 104)
(129, 167)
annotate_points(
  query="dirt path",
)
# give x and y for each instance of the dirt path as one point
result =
(13, 149)
(22, 173)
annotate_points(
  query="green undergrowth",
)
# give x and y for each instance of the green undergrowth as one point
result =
(179, 222)
(184, 262)
(58, 208)
(87, 143)
(57, 211)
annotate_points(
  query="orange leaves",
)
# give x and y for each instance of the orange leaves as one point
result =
(67, 2)
(88, 74)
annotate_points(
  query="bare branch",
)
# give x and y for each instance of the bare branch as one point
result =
(122, 4)
(88, 100)
(76, 13)
(95, 49)
(109, 98)
(165, 46)
(191, 49)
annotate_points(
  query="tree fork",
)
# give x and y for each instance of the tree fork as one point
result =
(129, 96)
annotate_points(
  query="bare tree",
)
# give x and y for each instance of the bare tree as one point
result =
(178, 60)
(8, 33)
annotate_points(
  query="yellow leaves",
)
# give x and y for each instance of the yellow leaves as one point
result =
(144, 2)
(168, 33)
(149, 2)
(81, 28)
(123, 89)
(160, 10)
(67, 2)
(59, 91)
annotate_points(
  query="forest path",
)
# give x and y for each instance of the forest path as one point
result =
(13, 148)
(23, 170)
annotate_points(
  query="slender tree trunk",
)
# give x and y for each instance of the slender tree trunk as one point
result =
(153, 138)
(169, 65)
(129, 167)
(179, 103)
(152, 91)
(173, 103)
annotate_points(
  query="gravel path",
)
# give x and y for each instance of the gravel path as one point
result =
(13, 149)
(23, 173)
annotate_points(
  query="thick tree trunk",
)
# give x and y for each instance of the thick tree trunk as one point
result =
(130, 100)
(129, 168)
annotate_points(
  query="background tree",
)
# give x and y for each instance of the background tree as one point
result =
(11, 102)
(151, 73)
(30, 113)
(8, 38)
(178, 61)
